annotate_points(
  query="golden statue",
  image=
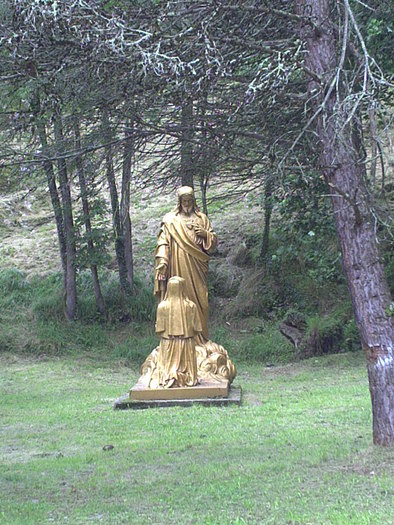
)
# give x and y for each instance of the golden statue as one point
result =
(185, 241)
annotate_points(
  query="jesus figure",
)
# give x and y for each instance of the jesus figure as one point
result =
(185, 242)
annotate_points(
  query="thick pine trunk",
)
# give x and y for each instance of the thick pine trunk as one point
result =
(71, 284)
(116, 221)
(86, 217)
(343, 169)
(186, 143)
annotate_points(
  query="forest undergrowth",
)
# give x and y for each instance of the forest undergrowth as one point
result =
(299, 283)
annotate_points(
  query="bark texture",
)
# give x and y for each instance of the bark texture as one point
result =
(116, 216)
(344, 171)
(125, 204)
(204, 162)
(53, 192)
(267, 217)
(86, 217)
(71, 285)
(186, 143)
(51, 181)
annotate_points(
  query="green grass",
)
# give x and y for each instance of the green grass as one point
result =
(297, 451)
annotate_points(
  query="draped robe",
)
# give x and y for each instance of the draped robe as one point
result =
(177, 323)
(186, 255)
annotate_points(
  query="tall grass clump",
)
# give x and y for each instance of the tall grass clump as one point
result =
(47, 302)
(140, 306)
(32, 319)
(136, 348)
(48, 299)
(267, 346)
(15, 289)
(333, 332)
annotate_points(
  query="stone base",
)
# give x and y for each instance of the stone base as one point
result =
(204, 389)
(232, 398)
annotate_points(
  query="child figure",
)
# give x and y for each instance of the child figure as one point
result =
(177, 323)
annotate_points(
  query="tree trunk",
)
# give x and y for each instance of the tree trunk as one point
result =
(204, 167)
(343, 170)
(71, 285)
(86, 217)
(52, 187)
(117, 225)
(125, 203)
(267, 217)
(186, 143)
(53, 192)
(203, 188)
(374, 146)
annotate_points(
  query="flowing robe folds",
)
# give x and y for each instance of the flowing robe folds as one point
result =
(177, 323)
(186, 255)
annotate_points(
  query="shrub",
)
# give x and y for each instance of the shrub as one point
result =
(351, 336)
(324, 335)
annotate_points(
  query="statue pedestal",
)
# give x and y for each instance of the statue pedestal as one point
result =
(203, 390)
(208, 393)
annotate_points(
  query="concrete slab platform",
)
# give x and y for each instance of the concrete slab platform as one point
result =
(233, 398)
(205, 388)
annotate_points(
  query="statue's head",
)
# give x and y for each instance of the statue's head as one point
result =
(176, 288)
(186, 200)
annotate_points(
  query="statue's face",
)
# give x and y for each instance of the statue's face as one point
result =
(187, 204)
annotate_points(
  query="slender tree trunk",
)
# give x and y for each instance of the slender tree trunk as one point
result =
(71, 285)
(342, 169)
(203, 188)
(204, 165)
(125, 204)
(86, 217)
(56, 205)
(267, 217)
(186, 143)
(52, 187)
(117, 225)
(374, 146)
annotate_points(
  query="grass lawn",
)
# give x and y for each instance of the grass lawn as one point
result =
(298, 451)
